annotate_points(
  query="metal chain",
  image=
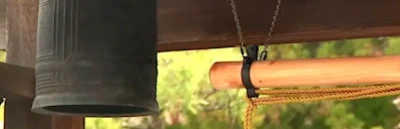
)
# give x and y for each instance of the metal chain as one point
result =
(239, 27)
(271, 28)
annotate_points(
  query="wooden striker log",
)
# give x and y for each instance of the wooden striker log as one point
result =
(309, 72)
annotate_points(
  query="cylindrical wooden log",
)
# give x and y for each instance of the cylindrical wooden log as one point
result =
(309, 72)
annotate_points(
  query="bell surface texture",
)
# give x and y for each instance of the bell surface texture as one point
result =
(96, 58)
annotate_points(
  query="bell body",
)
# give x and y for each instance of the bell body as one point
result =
(96, 58)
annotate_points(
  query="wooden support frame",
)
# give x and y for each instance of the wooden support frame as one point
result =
(3, 25)
(203, 24)
(16, 81)
(309, 72)
(17, 85)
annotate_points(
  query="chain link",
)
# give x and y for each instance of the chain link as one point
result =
(271, 28)
(239, 27)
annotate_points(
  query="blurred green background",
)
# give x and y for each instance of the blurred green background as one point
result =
(188, 101)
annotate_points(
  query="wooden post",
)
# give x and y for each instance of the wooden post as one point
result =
(309, 72)
(18, 115)
(3, 25)
(21, 50)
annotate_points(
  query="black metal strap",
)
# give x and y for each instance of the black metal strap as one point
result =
(252, 55)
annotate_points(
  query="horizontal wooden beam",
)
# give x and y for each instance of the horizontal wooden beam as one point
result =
(309, 72)
(16, 81)
(200, 24)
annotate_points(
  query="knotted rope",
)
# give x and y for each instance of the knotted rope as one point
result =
(284, 96)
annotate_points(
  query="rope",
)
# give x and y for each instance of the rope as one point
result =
(284, 96)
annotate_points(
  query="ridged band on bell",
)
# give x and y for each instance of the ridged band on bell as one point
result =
(96, 58)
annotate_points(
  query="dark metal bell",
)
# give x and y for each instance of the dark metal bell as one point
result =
(96, 58)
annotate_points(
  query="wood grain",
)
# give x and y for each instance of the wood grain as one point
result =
(200, 24)
(68, 122)
(16, 81)
(309, 72)
(21, 28)
(18, 115)
(3, 26)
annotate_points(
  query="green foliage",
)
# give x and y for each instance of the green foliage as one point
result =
(341, 118)
(103, 123)
(183, 81)
(2, 56)
(187, 99)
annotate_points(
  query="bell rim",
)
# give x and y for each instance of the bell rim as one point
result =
(43, 111)
(41, 105)
(147, 111)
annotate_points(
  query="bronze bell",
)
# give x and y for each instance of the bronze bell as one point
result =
(96, 58)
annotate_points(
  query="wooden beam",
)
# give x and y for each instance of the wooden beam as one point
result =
(21, 29)
(68, 122)
(309, 72)
(16, 81)
(3, 26)
(199, 24)
(21, 50)
(18, 115)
